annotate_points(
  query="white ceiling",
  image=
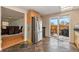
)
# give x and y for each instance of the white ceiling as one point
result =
(45, 10)
(10, 15)
(42, 9)
(48, 9)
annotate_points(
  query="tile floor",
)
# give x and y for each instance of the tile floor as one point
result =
(51, 44)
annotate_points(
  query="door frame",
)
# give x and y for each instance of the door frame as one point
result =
(58, 17)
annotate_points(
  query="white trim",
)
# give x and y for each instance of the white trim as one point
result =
(25, 26)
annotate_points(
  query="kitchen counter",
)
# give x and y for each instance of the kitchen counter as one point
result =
(11, 35)
(11, 40)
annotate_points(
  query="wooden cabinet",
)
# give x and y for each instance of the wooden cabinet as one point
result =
(12, 40)
(77, 39)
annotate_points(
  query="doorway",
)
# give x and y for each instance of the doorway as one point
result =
(59, 28)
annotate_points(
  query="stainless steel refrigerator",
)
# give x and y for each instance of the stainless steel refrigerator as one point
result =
(36, 29)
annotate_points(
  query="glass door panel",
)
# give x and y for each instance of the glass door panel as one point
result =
(64, 28)
(54, 27)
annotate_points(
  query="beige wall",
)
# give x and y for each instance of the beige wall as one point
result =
(19, 22)
(45, 23)
(74, 16)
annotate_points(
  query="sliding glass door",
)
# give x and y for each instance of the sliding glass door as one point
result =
(60, 27)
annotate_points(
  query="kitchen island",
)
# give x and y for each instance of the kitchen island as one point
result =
(11, 40)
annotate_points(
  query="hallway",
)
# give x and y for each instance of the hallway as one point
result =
(46, 45)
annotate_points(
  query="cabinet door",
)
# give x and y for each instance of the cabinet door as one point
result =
(77, 39)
